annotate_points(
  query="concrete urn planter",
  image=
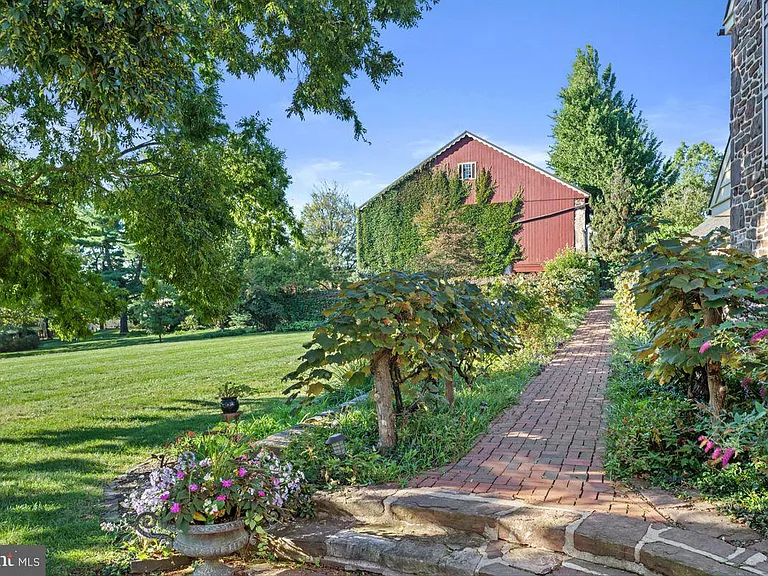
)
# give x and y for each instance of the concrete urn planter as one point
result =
(211, 542)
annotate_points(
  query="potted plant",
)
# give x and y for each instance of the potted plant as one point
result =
(216, 491)
(228, 395)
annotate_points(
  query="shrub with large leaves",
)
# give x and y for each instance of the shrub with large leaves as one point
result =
(703, 301)
(414, 330)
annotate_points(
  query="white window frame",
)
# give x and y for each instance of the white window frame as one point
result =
(473, 168)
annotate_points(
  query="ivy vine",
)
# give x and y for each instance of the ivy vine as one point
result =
(388, 239)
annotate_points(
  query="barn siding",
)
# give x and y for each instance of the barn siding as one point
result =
(542, 194)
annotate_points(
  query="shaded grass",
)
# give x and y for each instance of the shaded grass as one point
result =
(70, 423)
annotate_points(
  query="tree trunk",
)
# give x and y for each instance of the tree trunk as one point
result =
(123, 323)
(383, 397)
(715, 382)
(46, 329)
(449, 392)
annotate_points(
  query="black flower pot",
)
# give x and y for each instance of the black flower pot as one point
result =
(229, 405)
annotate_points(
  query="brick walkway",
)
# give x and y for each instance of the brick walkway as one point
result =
(548, 449)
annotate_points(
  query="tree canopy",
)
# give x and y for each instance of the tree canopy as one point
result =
(596, 128)
(115, 107)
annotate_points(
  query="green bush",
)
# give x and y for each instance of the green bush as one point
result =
(19, 342)
(652, 430)
(629, 322)
(189, 324)
(742, 488)
(571, 279)
(435, 436)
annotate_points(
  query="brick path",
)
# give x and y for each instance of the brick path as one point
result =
(548, 449)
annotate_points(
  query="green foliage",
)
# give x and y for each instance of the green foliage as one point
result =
(422, 223)
(18, 341)
(290, 270)
(682, 205)
(651, 430)
(429, 438)
(189, 324)
(616, 223)
(597, 129)
(681, 283)
(741, 490)
(430, 326)
(330, 223)
(89, 117)
(158, 316)
(232, 390)
(571, 279)
(629, 322)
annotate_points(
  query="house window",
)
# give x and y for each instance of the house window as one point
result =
(468, 170)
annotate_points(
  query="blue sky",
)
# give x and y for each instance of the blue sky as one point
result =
(495, 67)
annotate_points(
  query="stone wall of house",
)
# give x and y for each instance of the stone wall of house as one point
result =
(749, 186)
(580, 225)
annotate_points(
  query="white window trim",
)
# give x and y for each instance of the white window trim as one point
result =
(473, 171)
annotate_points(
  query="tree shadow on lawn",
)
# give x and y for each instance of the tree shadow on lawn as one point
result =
(112, 339)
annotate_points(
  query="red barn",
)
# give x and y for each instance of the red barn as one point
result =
(554, 211)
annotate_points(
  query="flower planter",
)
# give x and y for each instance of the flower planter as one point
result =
(230, 405)
(211, 542)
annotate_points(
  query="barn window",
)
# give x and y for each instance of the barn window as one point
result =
(467, 170)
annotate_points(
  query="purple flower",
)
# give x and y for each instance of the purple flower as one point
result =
(226, 483)
(763, 291)
(262, 493)
(709, 446)
(164, 496)
(175, 507)
(759, 336)
(704, 347)
(276, 481)
(746, 382)
(193, 487)
(717, 453)
(180, 474)
(727, 455)
(242, 472)
(762, 392)
(221, 497)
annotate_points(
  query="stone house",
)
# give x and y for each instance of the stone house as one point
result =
(746, 22)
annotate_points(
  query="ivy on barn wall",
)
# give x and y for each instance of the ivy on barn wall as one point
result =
(388, 239)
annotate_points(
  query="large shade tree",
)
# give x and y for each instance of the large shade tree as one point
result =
(115, 106)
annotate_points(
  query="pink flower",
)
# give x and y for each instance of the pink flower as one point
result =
(702, 438)
(763, 291)
(193, 487)
(762, 392)
(709, 446)
(180, 474)
(164, 496)
(175, 507)
(747, 381)
(221, 497)
(704, 347)
(242, 472)
(226, 483)
(262, 493)
(276, 481)
(759, 336)
(727, 455)
(717, 453)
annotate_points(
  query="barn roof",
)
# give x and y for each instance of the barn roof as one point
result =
(467, 134)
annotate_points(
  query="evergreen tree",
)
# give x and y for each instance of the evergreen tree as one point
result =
(616, 222)
(596, 128)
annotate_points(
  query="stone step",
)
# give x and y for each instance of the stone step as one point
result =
(611, 540)
(346, 546)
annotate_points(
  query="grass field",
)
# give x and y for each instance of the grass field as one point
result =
(74, 416)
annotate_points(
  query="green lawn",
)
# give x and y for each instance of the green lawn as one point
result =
(75, 416)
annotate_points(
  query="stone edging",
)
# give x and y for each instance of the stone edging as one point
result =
(598, 539)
